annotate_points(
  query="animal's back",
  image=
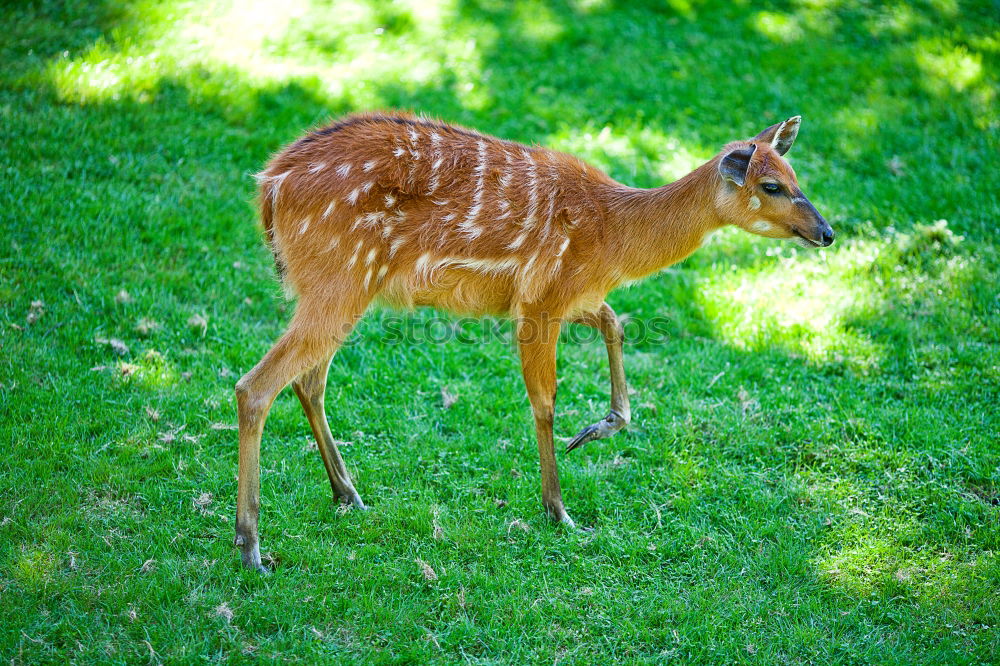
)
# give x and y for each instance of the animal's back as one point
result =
(417, 212)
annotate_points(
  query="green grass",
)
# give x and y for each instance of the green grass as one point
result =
(812, 470)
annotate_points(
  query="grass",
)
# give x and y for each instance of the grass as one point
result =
(812, 471)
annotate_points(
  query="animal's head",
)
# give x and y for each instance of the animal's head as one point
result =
(760, 193)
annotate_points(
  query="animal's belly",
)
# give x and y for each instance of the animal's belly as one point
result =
(457, 290)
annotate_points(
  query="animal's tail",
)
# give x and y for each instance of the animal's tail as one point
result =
(266, 203)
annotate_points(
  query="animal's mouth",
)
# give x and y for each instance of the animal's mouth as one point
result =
(811, 242)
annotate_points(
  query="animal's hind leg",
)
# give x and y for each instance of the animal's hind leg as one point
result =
(310, 386)
(313, 333)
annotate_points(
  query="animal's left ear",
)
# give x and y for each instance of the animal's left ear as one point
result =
(735, 164)
(781, 136)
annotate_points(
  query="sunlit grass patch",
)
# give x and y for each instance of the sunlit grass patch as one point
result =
(802, 302)
(152, 371)
(639, 150)
(875, 562)
(345, 51)
(947, 66)
(34, 568)
(778, 27)
(824, 305)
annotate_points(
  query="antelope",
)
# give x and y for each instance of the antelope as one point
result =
(412, 212)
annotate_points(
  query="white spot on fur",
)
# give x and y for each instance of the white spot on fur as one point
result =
(386, 231)
(423, 263)
(389, 200)
(562, 248)
(343, 170)
(395, 245)
(368, 277)
(373, 218)
(354, 256)
(276, 182)
(352, 198)
(334, 242)
(529, 219)
(527, 266)
(442, 202)
(305, 225)
(507, 264)
(473, 214)
(316, 168)
(553, 175)
(448, 217)
(399, 152)
(329, 209)
(426, 268)
(382, 270)
(761, 226)
(518, 242)
(413, 135)
(470, 230)
(468, 225)
(435, 175)
(754, 202)
(371, 256)
(366, 188)
(369, 165)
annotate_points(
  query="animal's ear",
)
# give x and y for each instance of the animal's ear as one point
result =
(781, 136)
(734, 165)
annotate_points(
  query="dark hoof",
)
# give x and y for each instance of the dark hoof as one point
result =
(606, 427)
(560, 516)
(586, 435)
(250, 556)
(352, 502)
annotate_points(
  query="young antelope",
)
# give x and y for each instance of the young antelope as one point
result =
(415, 212)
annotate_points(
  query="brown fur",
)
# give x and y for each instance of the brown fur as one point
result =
(415, 212)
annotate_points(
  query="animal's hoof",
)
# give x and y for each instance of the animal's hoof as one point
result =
(606, 427)
(250, 555)
(587, 434)
(559, 515)
(351, 502)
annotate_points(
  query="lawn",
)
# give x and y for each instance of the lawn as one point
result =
(812, 473)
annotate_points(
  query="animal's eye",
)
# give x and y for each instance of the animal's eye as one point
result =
(771, 188)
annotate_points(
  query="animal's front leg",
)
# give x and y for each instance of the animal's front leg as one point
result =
(605, 321)
(537, 338)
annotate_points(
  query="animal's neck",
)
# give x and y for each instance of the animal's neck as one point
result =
(651, 229)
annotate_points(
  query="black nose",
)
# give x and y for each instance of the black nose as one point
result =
(827, 237)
